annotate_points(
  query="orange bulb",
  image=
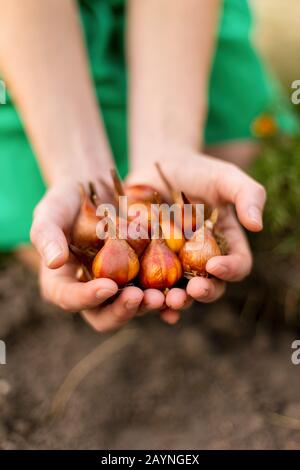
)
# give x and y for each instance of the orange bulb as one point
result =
(173, 236)
(160, 267)
(84, 235)
(117, 261)
(196, 252)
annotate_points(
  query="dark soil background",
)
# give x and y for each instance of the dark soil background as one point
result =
(220, 379)
(215, 380)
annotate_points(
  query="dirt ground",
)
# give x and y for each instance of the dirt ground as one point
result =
(210, 382)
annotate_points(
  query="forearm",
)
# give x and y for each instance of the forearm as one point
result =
(42, 58)
(170, 47)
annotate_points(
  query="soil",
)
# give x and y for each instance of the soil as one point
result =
(213, 381)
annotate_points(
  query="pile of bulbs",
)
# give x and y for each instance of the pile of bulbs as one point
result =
(147, 261)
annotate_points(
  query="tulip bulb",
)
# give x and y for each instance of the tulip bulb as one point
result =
(178, 197)
(200, 248)
(139, 199)
(160, 267)
(190, 219)
(173, 236)
(134, 233)
(137, 237)
(117, 261)
(136, 192)
(141, 193)
(84, 235)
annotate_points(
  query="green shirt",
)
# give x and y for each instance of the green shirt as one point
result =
(239, 92)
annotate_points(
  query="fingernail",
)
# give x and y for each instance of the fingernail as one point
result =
(131, 304)
(102, 294)
(204, 292)
(51, 252)
(219, 270)
(255, 214)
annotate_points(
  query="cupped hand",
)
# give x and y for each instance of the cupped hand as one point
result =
(220, 184)
(53, 219)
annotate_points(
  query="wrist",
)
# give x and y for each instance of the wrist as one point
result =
(155, 135)
(84, 162)
(173, 161)
(166, 153)
(85, 168)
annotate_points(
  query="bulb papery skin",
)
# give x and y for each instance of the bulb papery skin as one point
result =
(133, 233)
(117, 261)
(160, 268)
(138, 244)
(141, 193)
(196, 252)
(193, 221)
(142, 213)
(173, 237)
(84, 234)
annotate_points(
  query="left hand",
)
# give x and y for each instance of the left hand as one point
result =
(53, 219)
(220, 184)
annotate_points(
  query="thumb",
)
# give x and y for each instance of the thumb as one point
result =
(245, 193)
(219, 182)
(48, 237)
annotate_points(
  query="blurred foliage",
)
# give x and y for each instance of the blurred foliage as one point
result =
(278, 169)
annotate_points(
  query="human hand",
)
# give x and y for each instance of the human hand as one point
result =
(53, 219)
(221, 184)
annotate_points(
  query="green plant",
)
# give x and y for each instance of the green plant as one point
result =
(278, 169)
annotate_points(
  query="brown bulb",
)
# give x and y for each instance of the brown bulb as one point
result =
(173, 236)
(143, 213)
(135, 193)
(196, 252)
(84, 235)
(141, 193)
(143, 196)
(140, 243)
(117, 261)
(189, 217)
(134, 234)
(160, 267)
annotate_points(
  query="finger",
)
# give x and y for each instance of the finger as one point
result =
(238, 263)
(52, 215)
(114, 316)
(229, 268)
(170, 316)
(153, 300)
(248, 196)
(218, 182)
(50, 242)
(176, 298)
(60, 287)
(205, 290)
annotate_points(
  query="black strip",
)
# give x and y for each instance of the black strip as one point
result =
(135, 459)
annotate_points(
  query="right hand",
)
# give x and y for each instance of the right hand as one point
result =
(221, 185)
(53, 219)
